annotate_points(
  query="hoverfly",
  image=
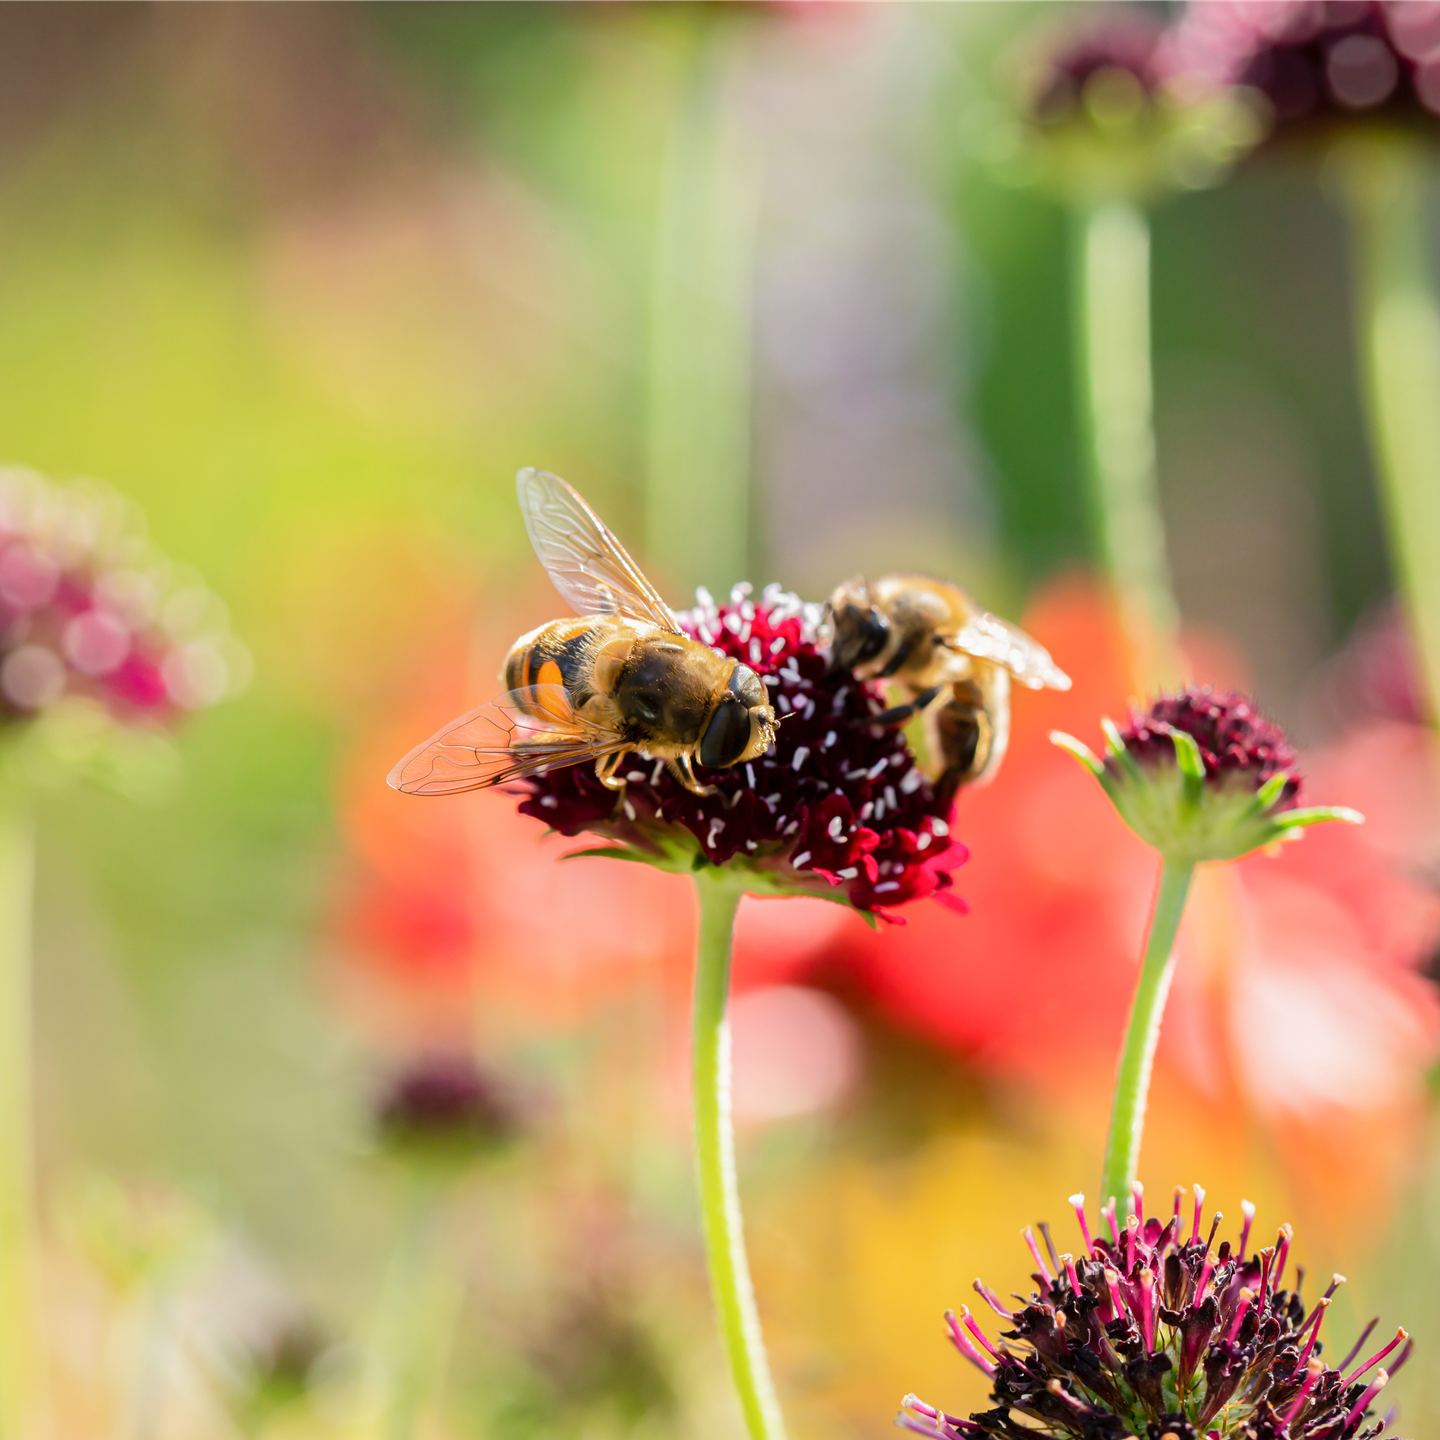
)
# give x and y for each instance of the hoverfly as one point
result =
(953, 659)
(619, 677)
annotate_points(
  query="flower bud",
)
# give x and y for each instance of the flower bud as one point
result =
(1202, 775)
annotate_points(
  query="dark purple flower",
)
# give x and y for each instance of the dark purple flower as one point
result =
(1236, 742)
(1320, 64)
(837, 807)
(1202, 775)
(1151, 1330)
(445, 1104)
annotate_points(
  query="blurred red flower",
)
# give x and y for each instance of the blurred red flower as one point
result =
(1299, 995)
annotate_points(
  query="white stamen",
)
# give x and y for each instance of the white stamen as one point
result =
(923, 843)
(629, 809)
(867, 810)
(829, 739)
(750, 774)
(801, 755)
(877, 769)
(835, 828)
(638, 776)
(549, 801)
(940, 827)
(716, 826)
(849, 873)
(910, 783)
(803, 858)
(777, 644)
(887, 885)
(890, 799)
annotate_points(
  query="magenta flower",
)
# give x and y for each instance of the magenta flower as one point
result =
(92, 616)
(837, 807)
(1151, 1330)
(1320, 64)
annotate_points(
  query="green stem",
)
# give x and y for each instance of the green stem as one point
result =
(409, 1336)
(17, 1330)
(1112, 271)
(715, 1156)
(698, 463)
(1132, 1082)
(1398, 325)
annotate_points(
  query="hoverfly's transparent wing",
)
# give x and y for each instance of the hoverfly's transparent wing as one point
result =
(988, 637)
(525, 732)
(585, 562)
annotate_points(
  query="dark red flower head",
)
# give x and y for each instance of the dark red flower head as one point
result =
(1236, 742)
(1150, 1330)
(838, 806)
(1321, 64)
(446, 1103)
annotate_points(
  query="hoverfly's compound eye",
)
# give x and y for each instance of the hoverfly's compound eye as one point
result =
(726, 736)
(747, 687)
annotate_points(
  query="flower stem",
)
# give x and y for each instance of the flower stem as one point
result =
(1112, 322)
(409, 1335)
(1398, 325)
(1132, 1082)
(17, 1331)
(730, 1285)
(698, 466)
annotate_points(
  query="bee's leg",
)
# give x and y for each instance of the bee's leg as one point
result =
(901, 714)
(681, 769)
(969, 733)
(605, 768)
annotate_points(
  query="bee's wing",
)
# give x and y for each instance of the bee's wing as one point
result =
(585, 562)
(525, 732)
(988, 637)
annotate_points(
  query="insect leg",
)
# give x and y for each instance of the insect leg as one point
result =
(899, 714)
(681, 769)
(605, 768)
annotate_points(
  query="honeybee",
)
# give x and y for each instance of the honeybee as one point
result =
(953, 659)
(620, 677)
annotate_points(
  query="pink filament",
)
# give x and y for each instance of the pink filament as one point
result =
(1078, 1201)
(1293, 1409)
(1137, 1201)
(1380, 1381)
(1029, 1237)
(976, 1331)
(1107, 1214)
(992, 1300)
(1241, 1310)
(966, 1346)
(1400, 1337)
(1147, 1309)
(1199, 1210)
(1247, 1209)
(1317, 1317)
(1070, 1274)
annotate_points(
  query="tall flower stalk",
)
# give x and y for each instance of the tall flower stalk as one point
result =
(17, 1339)
(719, 895)
(1106, 133)
(1385, 180)
(838, 809)
(1199, 776)
(103, 645)
(697, 500)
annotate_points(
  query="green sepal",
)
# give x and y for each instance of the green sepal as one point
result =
(1318, 815)
(1082, 752)
(1268, 795)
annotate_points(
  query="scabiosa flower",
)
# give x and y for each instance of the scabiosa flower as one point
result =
(1321, 66)
(445, 1106)
(1202, 775)
(838, 807)
(1103, 115)
(1151, 1331)
(95, 625)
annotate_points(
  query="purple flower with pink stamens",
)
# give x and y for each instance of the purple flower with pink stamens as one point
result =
(837, 807)
(1151, 1330)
